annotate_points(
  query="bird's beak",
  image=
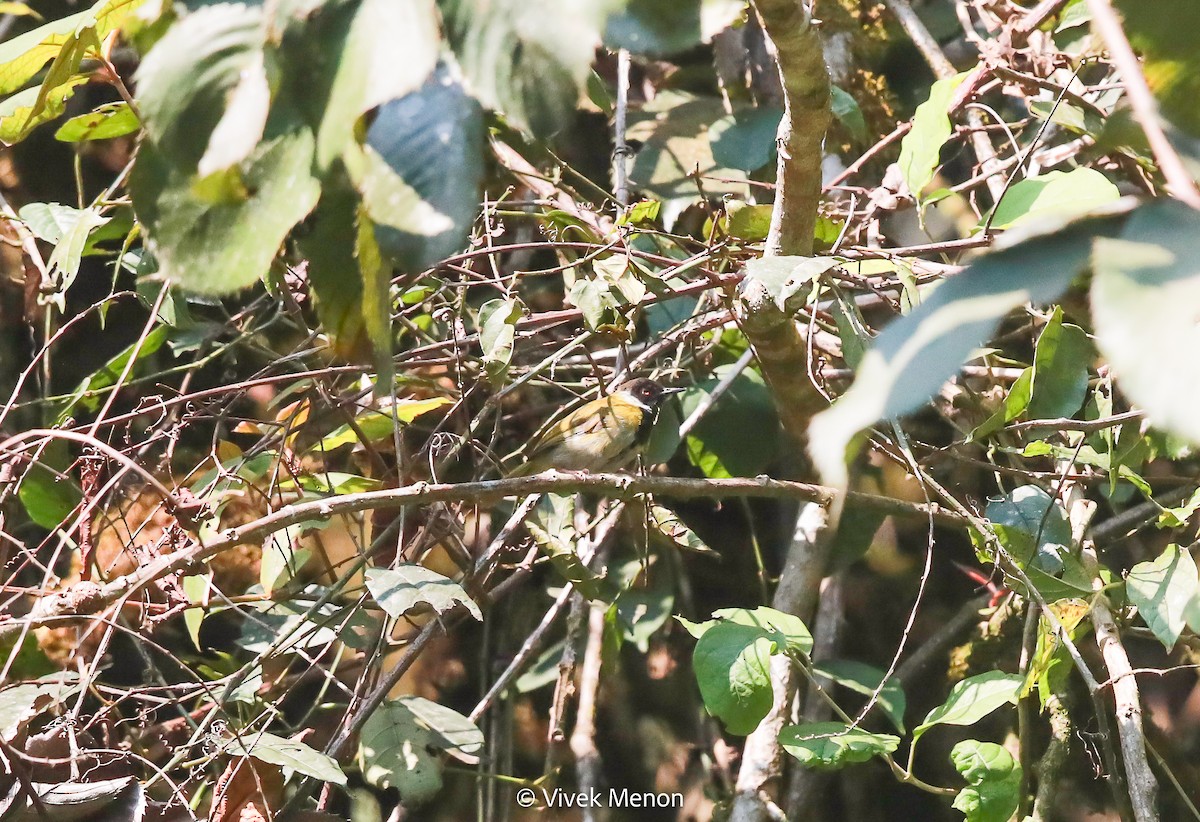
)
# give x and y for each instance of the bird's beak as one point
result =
(670, 391)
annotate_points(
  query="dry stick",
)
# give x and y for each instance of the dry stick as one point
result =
(1108, 25)
(583, 736)
(1139, 779)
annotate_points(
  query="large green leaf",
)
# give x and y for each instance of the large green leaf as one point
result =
(655, 28)
(222, 244)
(399, 743)
(673, 131)
(745, 139)
(918, 352)
(1144, 297)
(739, 435)
(48, 499)
(1163, 32)
(732, 661)
(1060, 369)
(340, 60)
(108, 121)
(528, 59)
(186, 82)
(400, 589)
(428, 143)
(864, 679)
(1165, 591)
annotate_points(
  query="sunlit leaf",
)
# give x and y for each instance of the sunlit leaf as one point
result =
(920, 148)
(1165, 591)
(972, 699)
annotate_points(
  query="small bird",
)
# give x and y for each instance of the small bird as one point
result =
(602, 435)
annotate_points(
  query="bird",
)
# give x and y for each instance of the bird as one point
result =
(604, 434)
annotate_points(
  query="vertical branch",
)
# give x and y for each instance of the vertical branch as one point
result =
(583, 737)
(1140, 782)
(620, 119)
(778, 345)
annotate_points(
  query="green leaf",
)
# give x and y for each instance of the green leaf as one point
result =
(667, 524)
(673, 129)
(1145, 288)
(864, 679)
(732, 665)
(288, 753)
(282, 558)
(341, 61)
(552, 527)
(24, 55)
(1028, 522)
(920, 148)
(398, 744)
(377, 426)
(732, 660)
(195, 588)
(646, 599)
(433, 141)
(187, 82)
(497, 331)
(216, 247)
(400, 589)
(64, 261)
(828, 746)
(528, 59)
(653, 28)
(26, 110)
(788, 279)
(745, 140)
(1165, 591)
(972, 699)
(1179, 517)
(740, 433)
(1054, 194)
(1014, 405)
(994, 780)
(48, 500)
(745, 221)
(108, 121)
(1060, 369)
(845, 109)
(915, 354)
